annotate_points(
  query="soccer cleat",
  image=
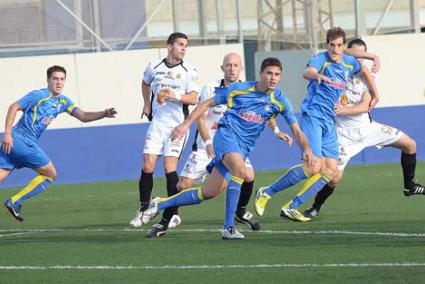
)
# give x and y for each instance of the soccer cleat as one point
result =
(293, 214)
(311, 213)
(13, 209)
(157, 231)
(151, 211)
(174, 222)
(248, 219)
(231, 233)
(136, 222)
(414, 190)
(261, 199)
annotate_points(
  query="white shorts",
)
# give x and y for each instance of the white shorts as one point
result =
(352, 141)
(196, 166)
(158, 142)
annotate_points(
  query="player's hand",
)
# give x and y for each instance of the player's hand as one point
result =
(373, 102)
(169, 94)
(376, 64)
(160, 97)
(7, 143)
(110, 112)
(179, 132)
(146, 111)
(210, 151)
(309, 159)
(322, 78)
(339, 109)
(285, 137)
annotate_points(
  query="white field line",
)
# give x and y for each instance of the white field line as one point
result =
(12, 234)
(198, 267)
(123, 229)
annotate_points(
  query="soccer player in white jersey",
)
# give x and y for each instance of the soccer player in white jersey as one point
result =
(357, 131)
(168, 87)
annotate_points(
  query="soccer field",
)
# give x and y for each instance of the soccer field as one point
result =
(367, 232)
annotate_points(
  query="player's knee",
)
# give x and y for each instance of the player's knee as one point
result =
(210, 193)
(52, 174)
(249, 175)
(184, 183)
(330, 173)
(410, 146)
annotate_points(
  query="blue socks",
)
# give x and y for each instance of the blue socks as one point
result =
(34, 187)
(186, 197)
(293, 176)
(232, 198)
(309, 189)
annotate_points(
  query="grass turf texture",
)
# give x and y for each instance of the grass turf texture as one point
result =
(79, 233)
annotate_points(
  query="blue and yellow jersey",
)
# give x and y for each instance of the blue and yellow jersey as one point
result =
(321, 99)
(248, 110)
(39, 108)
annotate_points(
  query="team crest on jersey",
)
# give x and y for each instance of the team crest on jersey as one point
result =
(178, 76)
(268, 108)
(169, 75)
(251, 116)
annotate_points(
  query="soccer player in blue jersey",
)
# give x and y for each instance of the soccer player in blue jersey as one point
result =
(20, 147)
(327, 73)
(250, 106)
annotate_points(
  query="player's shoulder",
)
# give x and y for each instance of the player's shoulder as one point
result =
(349, 59)
(243, 86)
(188, 67)
(153, 64)
(213, 84)
(41, 93)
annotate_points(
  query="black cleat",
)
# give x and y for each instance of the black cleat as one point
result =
(311, 213)
(248, 219)
(157, 230)
(416, 189)
(14, 210)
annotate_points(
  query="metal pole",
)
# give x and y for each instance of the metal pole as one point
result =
(144, 26)
(176, 12)
(378, 25)
(96, 22)
(414, 16)
(220, 21)
(78, 26)
(84, 25)
(238, 17)
(202, 21)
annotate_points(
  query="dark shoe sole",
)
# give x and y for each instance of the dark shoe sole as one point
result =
(252, 226)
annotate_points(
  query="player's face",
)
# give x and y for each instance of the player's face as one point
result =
(232, 68)
(56, 82)
(270, 77)
(336, 49)
(178, 49)
(358, 47)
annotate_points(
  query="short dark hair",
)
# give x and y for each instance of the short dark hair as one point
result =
(172, 38)
(55, 68)
(335, 33)
(270, 61)
(357, 41)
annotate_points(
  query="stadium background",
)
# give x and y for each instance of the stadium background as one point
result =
(105, 46)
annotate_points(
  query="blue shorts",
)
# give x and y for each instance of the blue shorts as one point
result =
(224, 142)
(321, 136)
(25, 154)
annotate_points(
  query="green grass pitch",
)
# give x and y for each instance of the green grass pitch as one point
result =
(367, 232)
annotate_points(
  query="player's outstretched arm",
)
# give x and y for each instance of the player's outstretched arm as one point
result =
(146, 92)
(311, 74)
(85, 116)
(362, 107)
(366, 55)
(181, 130)
(7, 143)
(190, 98)
(203, 131)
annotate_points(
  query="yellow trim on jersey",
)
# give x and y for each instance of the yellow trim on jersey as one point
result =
(351, 67)
(327, 63)
(36, 106)
(70, 109)
(276, 102)
(238, 92)
(236, 179)
(30, 187)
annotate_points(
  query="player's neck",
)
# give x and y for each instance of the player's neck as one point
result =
(172, 61)
(260, 87)
(227, 82)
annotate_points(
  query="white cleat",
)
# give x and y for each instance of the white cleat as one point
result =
(136, 222)
(174, 222)
(231, 234)
(151, 211)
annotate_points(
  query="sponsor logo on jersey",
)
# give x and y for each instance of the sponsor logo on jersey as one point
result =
(47, 120)
(338, 85)
(251, 116)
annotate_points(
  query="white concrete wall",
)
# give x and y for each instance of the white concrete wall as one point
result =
(100, 80)
(401, 80)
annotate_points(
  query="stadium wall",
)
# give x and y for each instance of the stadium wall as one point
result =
(111, 149)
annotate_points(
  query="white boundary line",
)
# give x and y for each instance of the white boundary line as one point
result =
(123, 229)
(12, 234)
(199, 267)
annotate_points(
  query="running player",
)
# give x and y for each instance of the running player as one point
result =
(20, 147)
(168, 87)
(357, 131)
(249, 106)
(328, 73)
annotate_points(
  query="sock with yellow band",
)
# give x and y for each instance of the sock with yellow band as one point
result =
(186, 197)
(313, 185)
(36, 186)
(293, 176)
(232, 198)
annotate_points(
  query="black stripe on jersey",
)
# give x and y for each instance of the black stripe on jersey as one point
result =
(150, 116)
(370, 117)
(171, 65)
(195, 145)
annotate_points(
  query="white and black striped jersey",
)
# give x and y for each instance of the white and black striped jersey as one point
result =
(182, 78)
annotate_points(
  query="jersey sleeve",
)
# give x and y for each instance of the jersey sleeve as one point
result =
(356, 66)
(316, 62)
(69, 105)
(192, 81)
(222, 94)
(206, 93)
(30, 99)
(148, 74)
(288, 111)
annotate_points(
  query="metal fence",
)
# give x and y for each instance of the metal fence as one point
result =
(36, 27)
